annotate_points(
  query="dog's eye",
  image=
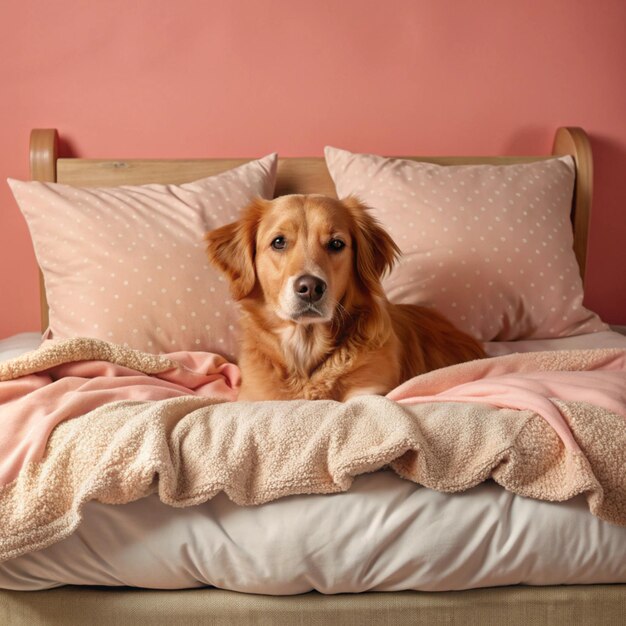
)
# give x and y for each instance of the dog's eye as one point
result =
(334, 245)
(279, 243)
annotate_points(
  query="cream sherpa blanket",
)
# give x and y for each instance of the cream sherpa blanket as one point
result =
(125, 425)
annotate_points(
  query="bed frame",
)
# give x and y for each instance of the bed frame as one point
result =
(519, 605)
(295, 175)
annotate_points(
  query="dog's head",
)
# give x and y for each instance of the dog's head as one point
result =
(303, 255)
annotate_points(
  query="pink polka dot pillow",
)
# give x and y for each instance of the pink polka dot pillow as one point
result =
(128, 264)
(489, 246)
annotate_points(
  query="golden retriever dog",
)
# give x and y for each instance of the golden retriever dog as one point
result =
(306, 271)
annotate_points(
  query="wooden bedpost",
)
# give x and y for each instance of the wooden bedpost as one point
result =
(43, 154)
(574, 141)
(43, 167)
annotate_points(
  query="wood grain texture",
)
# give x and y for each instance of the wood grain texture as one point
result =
(43, 154)
(44, 144)
(574, 141)
(295, 175)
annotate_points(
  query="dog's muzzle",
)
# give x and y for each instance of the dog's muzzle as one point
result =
(309, 289)
(305, 300)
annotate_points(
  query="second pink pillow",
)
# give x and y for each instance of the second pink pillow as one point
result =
(490, 246)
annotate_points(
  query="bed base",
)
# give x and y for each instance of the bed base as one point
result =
(505, 606)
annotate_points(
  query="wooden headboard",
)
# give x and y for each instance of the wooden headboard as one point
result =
(295, 175)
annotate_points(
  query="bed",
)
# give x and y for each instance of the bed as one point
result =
(483, 555)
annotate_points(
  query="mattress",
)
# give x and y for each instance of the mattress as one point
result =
(18, 344)
(384, 534)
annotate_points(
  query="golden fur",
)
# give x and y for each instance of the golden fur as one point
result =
(306, 271)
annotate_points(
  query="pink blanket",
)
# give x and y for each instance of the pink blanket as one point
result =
(32, 405)
(82, 419)
(529, 382)
(63, 387)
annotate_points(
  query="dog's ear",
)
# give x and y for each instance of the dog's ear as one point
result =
(375, 251)
(232, 249)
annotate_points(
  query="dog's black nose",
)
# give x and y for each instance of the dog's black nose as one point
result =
(309, 288)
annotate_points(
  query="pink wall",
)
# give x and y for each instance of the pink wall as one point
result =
(241, 78)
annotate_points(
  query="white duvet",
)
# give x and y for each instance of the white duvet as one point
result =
(384, 534)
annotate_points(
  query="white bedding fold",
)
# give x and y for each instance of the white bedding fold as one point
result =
(384, 534)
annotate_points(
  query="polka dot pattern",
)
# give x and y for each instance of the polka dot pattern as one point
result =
(128, 264)
(490, 246)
